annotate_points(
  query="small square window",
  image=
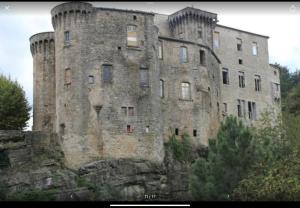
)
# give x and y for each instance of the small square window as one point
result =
(240, 61)
(129, 129)
(130, 111)
(91, 79)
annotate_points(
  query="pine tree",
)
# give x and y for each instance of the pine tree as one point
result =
(229, 157)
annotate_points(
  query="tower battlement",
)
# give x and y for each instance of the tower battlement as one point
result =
(41, 42)
(71, 11)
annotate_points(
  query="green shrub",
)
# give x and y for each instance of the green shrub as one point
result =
(181, 149)
(34, 195)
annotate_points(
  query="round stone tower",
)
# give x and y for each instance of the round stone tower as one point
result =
(71, 23)
(43, 51)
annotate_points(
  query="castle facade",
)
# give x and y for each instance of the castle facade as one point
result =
(116, 83)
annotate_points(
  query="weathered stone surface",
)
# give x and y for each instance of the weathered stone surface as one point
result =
(38, 165)
(72, 98)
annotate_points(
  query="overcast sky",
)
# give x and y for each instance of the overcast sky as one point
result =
(278, 20)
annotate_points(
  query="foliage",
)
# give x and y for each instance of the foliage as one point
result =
(4, 160)
(292, 103)
(276, 175)
(14, 108)
(270, 140)
(3, 190)
(279, 181)
(34, 195)
(182, 149)
(229, 158)
(82, 182)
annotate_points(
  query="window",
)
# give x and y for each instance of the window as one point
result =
(200, 33)
(254, 48)
(107, 73)
(252, 110)
(239, 44)
(225, 76)
(91, 79)
(218, 107)
(224, 108)
(180, 28)
(241, 79)
(276, 91)
(147, 129)
(127, 111)
(134, 17)
(62, 127)
(241, 108)
(160, 50)
(240, 61)
(132, 35)
(67, 37)
(183, 54)
(124, 111)
(130, 111)
(216, 39)
(257, 82)
(176, 131)
(186, 90)
(144, 77)
(68, 77)
(129, 129)
(202, 57)
(195, 132)
(162, 88)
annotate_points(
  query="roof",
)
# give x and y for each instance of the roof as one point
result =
(231, 28)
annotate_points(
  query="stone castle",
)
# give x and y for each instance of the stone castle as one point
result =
(116, 83)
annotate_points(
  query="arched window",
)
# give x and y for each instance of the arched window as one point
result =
(186, 91)
(183, 54)
(132, 35)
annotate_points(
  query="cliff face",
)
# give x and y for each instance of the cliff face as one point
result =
(32, 168)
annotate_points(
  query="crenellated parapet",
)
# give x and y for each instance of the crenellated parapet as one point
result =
(190, 14)
(67, 13)
(41, 42)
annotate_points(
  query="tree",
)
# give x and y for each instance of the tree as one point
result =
(230, 155)
(278, 181)
(14, 108)
(275, 176)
